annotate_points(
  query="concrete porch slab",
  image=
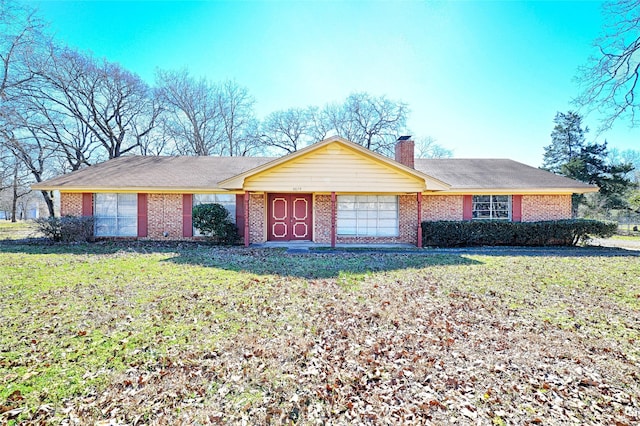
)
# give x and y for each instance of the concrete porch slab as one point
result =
(302, 247)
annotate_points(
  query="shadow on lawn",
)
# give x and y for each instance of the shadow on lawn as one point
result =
(316, 264)
(266, 261)
(260, 261)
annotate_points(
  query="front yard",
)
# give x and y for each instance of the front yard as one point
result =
(185, 334)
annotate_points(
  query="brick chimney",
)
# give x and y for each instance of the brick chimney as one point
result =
(404, 151)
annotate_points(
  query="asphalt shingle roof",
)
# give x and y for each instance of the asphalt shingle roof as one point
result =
(484, 173)
(202, 173)
(157, 172)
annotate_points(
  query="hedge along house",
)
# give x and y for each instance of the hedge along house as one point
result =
(332, 192)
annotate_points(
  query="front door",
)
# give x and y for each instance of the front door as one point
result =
(289, 217)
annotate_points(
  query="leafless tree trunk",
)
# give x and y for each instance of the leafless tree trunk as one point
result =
(192, 114)
(238, 120)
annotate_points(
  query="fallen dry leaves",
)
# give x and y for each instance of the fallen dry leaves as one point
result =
(406, 346)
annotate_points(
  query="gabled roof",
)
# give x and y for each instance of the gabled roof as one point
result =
(238, 181)
(212, 174)
(497, 175)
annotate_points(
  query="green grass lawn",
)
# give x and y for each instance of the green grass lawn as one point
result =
(16, 230)
(187, 334)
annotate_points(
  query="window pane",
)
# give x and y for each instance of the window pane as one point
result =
(105, 226)
(368, 215)
(128, 205)
(116, 215)
(491, 207)
(127, 227)
(106, 205)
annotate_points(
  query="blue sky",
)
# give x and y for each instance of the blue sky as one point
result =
(484, 78)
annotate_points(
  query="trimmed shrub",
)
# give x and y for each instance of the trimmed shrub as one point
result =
(67, 229)
(567, 232)
(213, 221)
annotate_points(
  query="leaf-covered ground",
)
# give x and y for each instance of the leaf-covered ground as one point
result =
(184, 334)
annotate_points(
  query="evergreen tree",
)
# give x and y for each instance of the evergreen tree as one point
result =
(570, 155)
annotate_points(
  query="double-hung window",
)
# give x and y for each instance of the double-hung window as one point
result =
(116, 215)
(368, 215)
(228, 201)
(487, 207)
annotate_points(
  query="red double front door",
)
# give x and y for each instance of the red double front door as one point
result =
(289, 217)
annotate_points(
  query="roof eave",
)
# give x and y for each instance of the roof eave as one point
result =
(539, 190)
(146, 190)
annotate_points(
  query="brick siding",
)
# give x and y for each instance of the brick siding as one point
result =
(164, 214)
(257, 217)
(442, 207)
(322, 219)
(70, 204)
(545, 207)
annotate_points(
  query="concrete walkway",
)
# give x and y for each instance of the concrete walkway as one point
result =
(608, 247)
(303, 247)
(617, 243)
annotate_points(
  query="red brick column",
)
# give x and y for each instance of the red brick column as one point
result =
(419, 243)
(333, 219)
(247, 238)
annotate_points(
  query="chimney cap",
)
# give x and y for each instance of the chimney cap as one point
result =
(404, 138)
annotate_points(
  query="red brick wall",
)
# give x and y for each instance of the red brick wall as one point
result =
(442, 207)
(322, 219)
(545, 207)
(257, 217)
(164, 214)
(70, 204)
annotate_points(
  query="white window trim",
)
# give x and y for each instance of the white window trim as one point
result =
(118, 217)
(396, 230)
(491, 209)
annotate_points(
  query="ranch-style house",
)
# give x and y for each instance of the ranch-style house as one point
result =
(331, 192)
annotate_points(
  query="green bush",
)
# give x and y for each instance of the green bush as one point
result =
(567, 232)
(67, 229)
(213, 221)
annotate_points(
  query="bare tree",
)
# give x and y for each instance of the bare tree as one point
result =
(192, 116)
(371, 121)
(68, 135)
(428, 148)
(34, 153)
(116, 106)
(239, 123)
(20, 33)
(610, 78)
(22, 40)
(289, 130)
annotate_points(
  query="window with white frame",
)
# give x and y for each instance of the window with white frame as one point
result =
(228, 201)
(491, 207)
(116, 215)
(368, 215)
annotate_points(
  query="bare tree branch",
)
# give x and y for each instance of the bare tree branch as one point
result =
(609, 80)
